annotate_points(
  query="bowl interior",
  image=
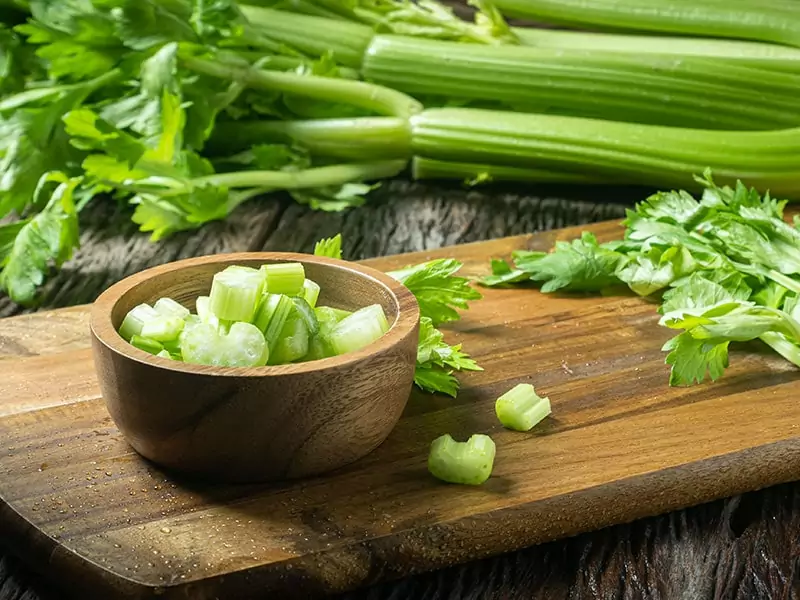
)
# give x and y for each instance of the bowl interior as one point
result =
(341, 287)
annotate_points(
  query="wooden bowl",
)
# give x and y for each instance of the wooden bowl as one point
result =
(261, 423)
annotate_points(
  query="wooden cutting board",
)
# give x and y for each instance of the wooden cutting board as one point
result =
(79, 505)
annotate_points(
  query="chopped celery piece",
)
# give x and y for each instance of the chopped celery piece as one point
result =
(235, 293)
(203, 306)
(164, 354)
(521, 408)
(310, 292)
(192, 320)
(292, 343)
(242, 346)
(358, 330)
(308, 315)
(163, 329)
(325, 313)
(146, 344)
(320, 345)
(135, 319)
(318, 348)
(169, 308)
(284, 278)
(272, 315)
(467, 462)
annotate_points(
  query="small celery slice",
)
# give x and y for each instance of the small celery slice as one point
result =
(320, 346)
(163, 329)
(203, 307)
(235, 293)
(325, 313)
(308, 315)
(468, 463)
(242, 346)
(310, 292)
(135, 319)
(164, 354)
(292, 343)
(358, 330)
(169, 308)
(521, 408)
(146, 344)
(272, 315)
(284, 278)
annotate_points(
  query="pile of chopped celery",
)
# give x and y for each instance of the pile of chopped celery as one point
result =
(253, 317)
(471, 462)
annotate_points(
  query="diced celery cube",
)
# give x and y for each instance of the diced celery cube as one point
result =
(360, 329)
(169, 308)
(468, 463)
(135, 319)
(284, 278)
(521, 408)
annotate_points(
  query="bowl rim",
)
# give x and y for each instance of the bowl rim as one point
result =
(103, 330)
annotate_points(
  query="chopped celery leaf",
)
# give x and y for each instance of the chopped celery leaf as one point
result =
(437, 361)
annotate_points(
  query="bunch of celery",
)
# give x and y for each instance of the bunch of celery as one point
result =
(187, 108)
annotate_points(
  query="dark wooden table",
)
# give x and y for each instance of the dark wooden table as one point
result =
(741, 548)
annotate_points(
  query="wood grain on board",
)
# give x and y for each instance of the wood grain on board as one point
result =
(621, 445)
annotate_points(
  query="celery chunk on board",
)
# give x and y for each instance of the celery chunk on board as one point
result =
(468, 463)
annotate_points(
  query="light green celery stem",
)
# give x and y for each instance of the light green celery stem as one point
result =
(782, 346)
(763, 20)
(668, 90)
(307, 7)
(426, 168)
(626, 152)
(756, 54)
(308, 178)
(382, 100)
(312, 35)
(363, 138)
(243, 58)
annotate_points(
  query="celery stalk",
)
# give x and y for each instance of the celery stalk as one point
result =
(346, 41)
(756, 54)
(625, 152)
(364, 138)
(763, 20)
(426, 168)
(468, 463)
(647, 88)
(521, 408)
(381, 100)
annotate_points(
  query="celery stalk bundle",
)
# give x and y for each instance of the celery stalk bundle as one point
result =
(186, 109)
